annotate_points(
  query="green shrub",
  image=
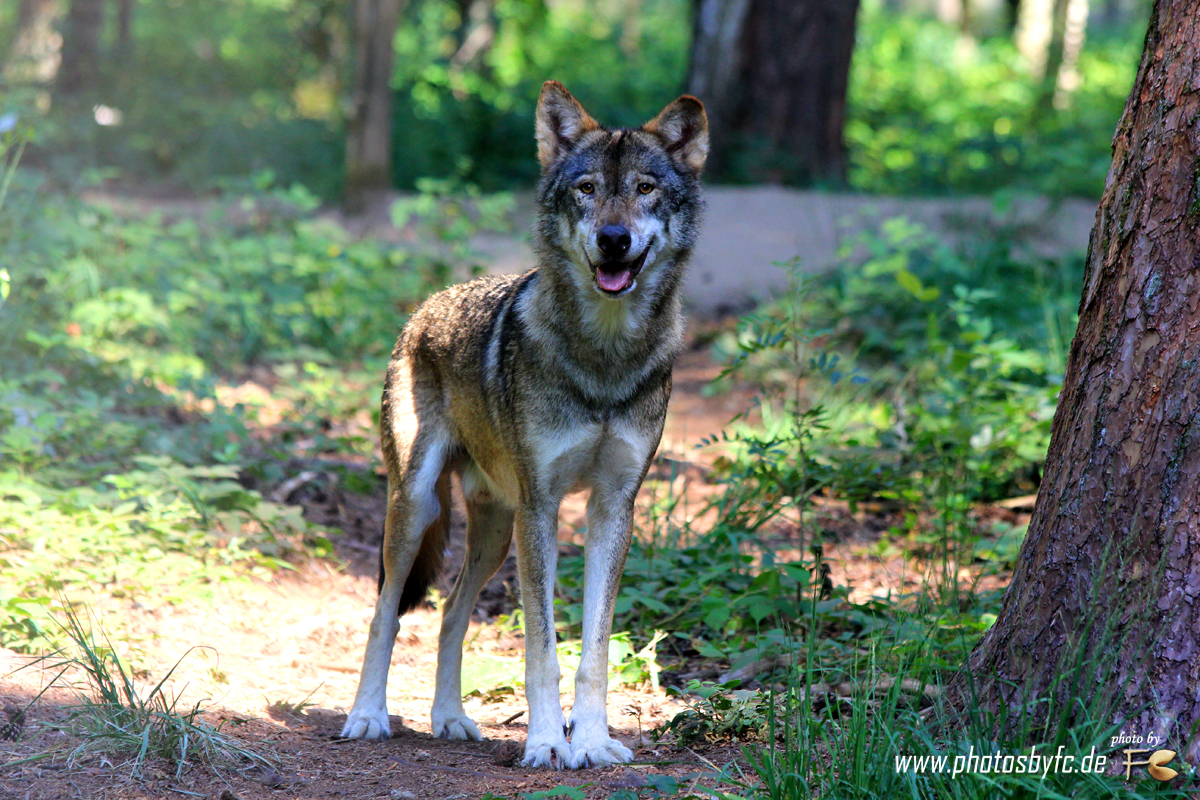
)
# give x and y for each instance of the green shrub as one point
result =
(931, 112)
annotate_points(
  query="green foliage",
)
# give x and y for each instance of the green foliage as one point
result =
(715, 712)
(114, 716)
(624, 63)
(967, 345)
(161, 529)
(119, 468)
(714, 594)
(261, 85)
(449, 211)
(930, 111)
(176, 299)
(855, 746)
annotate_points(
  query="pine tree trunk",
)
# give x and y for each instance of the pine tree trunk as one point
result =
(369, 127)
(773, 75)
(80, 71)
(1105, 599)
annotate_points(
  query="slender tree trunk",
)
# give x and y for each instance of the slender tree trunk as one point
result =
(773, 74)
(122, 52)
(369, 128)
(1050, 36)
(1013, 10)
(1035, 32)
(80, 72)
(1074, 33)
(1111, 13)
(1104, 605)
(35, 53)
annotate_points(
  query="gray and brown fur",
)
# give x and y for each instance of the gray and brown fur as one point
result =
(533, 386)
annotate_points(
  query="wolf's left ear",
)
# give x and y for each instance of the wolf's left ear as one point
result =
(684, 127)
(559, 122)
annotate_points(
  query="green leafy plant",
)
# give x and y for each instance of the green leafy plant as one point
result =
(716, 712)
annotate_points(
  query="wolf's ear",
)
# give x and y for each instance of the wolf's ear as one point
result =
(559, 122)
(684, 127)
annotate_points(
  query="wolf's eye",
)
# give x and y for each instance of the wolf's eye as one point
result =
(587, 188)
(645, 188)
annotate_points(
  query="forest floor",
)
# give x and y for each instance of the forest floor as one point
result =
(275, 660)
(276, 664)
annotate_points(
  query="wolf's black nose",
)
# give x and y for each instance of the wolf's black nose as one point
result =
(614, 241)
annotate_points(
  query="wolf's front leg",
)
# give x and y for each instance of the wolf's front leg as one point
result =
(610, 520)
(369, 718)
(537, 557)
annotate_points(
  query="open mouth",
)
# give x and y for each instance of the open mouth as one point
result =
(615, 277)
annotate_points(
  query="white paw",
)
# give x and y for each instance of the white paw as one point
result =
(547, 751)
(598, 751)
(367, 724)
(457, 726)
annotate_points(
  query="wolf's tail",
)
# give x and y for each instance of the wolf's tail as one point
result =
(427, 566)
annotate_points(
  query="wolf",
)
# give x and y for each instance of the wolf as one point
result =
(528, 388)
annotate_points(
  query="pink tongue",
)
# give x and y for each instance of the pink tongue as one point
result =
(614, 281)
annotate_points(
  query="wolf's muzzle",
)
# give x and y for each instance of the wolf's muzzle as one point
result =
(615, 277)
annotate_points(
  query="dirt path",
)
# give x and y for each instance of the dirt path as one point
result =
(262, 647)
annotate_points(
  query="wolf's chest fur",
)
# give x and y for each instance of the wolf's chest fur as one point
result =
(537, 398)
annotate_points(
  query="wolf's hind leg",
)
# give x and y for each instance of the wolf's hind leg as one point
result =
(417, 510)
(489, 532)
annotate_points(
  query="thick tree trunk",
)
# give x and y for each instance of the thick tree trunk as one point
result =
(35, 50)
(369, 127)
(1105, 599)
(773, 75)
(80, 71)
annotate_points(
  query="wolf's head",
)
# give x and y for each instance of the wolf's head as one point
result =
(620, 206)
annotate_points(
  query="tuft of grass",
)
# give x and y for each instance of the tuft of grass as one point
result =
(292, 708)
(116, 717)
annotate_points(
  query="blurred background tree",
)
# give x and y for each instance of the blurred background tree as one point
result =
(774, 74)
(369, 117)
(80, 71)
(898, 96)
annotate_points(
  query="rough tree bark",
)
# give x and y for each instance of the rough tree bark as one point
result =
(773, 75)
(369, 123)
(1105, 599)
(80, 71)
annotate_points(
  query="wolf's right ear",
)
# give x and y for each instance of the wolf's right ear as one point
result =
(683, 126)
(559, 122)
